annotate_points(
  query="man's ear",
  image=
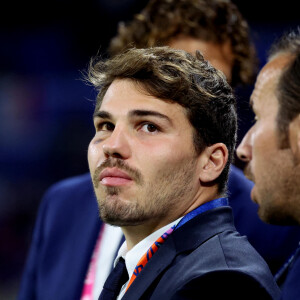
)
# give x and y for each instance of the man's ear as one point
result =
(294, 138)
(213, 161)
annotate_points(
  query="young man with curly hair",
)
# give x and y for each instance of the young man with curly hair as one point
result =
(159, 161)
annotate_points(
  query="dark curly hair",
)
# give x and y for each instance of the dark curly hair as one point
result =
(177, 76)
(216, 21)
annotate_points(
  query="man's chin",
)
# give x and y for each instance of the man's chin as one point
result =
(120, 221)
(118, 212)
(276, 216)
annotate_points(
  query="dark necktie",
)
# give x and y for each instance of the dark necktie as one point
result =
(117, 251)
(114, 281)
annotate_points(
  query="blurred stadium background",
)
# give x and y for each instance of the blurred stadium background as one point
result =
(46, 109)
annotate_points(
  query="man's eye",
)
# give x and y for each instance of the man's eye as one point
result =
(105, 126)
(149, 127)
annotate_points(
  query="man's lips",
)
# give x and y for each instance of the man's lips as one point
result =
(114, 177)
(248, 174)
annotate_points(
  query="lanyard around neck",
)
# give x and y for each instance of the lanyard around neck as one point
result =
(202, 208)
(199, 210)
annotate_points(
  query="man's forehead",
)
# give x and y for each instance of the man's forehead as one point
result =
(120, 91)
(274, 67)
(268, 77)
(125, 95)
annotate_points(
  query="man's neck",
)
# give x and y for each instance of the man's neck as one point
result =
(135, 234)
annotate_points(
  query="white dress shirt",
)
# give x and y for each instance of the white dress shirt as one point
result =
(133, 256)
(110, 241)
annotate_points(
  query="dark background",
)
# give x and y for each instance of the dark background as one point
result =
(46, 108)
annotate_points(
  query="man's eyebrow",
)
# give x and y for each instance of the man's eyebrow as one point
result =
(142, 113)
(102, 114)
(134, 113)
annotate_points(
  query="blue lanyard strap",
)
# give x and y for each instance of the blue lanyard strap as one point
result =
(202, 208)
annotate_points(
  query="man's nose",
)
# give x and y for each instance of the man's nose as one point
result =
(244, 150)
(117, 144)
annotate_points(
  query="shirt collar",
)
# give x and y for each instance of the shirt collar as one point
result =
(133, 256)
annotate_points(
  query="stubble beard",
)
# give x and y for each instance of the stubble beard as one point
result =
(280, 192)
(118, 212)
(112, 208)
(153, 200)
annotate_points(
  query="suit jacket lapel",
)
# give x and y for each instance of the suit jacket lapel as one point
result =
(157, 264)
(186, 238)
(202, 227)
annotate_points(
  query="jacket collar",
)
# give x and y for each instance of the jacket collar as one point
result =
(186, 238)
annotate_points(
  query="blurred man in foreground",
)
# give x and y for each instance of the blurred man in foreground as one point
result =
(271, 148)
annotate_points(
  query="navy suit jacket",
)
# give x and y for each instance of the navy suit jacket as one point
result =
(290, 286)
(205, 258)
(68, 224)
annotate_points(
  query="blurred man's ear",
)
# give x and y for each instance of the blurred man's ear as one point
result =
(214, 159)
(294, 138)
